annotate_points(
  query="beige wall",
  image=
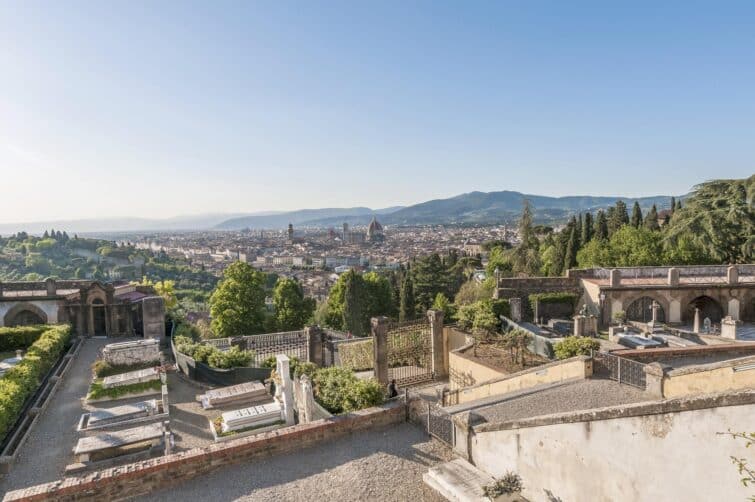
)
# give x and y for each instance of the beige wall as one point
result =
(464, 372)
(710, 378)
(570, 369)
(664, 456)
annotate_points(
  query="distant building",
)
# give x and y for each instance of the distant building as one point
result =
(375, 231)
(472, 248)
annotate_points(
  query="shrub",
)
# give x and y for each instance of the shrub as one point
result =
(231, 358)
(356, 355)
(574, 346)
(508, 484)
(20, 382)
(97, 391)
(308, 369)
(20, 337)
(338, 390)
(554, 298)
(620, 317)
(102, 369)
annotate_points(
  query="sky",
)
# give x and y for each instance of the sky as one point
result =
(157, 109)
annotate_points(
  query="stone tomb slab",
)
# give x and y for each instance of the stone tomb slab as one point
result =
(151, 435)
(253, 416)
(111, 416)
(244, 392)
(132, 377)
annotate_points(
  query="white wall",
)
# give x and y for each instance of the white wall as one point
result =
(674, 456)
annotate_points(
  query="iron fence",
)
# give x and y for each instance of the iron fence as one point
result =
(621, 369)
(409, 352)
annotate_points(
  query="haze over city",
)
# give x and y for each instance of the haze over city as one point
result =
(244, 107)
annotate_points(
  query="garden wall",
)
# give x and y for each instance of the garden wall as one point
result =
(144, 477)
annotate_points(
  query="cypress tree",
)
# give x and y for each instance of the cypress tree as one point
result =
(587, 229)
(353, 310)
(651, 220)
(578, 228)
(572, 246)
(601, 226)
(406, 307)
(673, 204)
(678, 205)
(636, 221)
(618, 217)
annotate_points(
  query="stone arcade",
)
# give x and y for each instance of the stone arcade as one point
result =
(92, 308)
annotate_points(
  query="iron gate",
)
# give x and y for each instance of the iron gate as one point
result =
(409, 353)
(621, 369)
(440, 425)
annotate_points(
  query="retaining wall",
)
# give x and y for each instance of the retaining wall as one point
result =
(147, 476)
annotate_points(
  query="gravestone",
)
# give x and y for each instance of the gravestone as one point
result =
(150, 435)
(134, 352)
(285, 392)
(111, 416)
(131, 377)
(253, 416)
(248, 392)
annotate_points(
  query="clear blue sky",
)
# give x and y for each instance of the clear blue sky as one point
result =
(164, 108)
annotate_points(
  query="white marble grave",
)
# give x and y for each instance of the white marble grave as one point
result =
(247, 392)
(132, 377)
(253, 416)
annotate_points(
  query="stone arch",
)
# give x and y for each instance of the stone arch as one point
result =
(638, 309)
(709, 307)
(24, 314)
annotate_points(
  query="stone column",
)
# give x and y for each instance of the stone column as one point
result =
(615, 280)
(314, 343)
(380, 348)
(286, 393)
(673, 277)
(436, 342)
(579, 325)
(696, 323)
(732, 275)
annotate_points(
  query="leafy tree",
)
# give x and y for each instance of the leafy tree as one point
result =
(636, 215)
(237, 305)
(407, 307)
(618, 217)
(442, 303)
(379, 295)
(719, 217)
(292, 309)
(526, 256)
(651, 220)
(430, 278)
(499, 259)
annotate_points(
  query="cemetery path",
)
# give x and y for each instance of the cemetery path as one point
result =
(373, 465)
(48, 449)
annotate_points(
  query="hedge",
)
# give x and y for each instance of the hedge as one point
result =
(554, 298)
(20, 337)
(21, 381)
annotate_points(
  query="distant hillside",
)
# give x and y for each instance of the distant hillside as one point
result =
(491, 207)
(303, 217)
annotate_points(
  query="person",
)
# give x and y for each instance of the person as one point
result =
(392, 389)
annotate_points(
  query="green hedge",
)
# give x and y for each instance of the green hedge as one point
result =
(554, 298)
(338, 390)
(20, 337)
(356, 355)
(576, 345)
(21, 381)
(211, 355)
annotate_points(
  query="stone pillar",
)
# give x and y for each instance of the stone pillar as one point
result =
(654, 374)
(729, 328)
(733, 308)
(314, 342)
(673, 277)
(696, 323)
(436, 342)
(285, 393)
(52, 288)
(615, 278)
(515, 305)
(732, 275)
(380, 348)
(579, 325)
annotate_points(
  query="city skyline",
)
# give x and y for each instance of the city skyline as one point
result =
(190, 109)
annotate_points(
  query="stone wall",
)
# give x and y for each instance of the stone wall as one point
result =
(736, 374)
(575, 368)
(144, 477)
(670, 450)
(669, 356)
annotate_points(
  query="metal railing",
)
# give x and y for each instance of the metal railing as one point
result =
(621, 369)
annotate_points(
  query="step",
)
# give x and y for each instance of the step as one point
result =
(460, 481)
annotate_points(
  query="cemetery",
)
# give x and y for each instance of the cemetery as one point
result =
(134, 443)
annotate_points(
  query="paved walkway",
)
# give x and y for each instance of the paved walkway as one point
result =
(48, 448)
(384, 465)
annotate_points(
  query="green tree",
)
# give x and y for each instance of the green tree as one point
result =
(355, 316)
(587, 229)
(237, 305)
(719, 217)
(526, 256)
(618, 217)
(673, 205)
(572, 248)
(430, 277)
(442, 303)
(601, 226)
(407, 307)
(499, 259)
(651, 220)
(379, 295)
(292, 309)
(636, 215)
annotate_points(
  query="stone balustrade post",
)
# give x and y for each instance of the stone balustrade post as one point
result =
(615, 278)
(732, 275)
(437, 342)
(315, 339)
(673, 277)
(380, 348)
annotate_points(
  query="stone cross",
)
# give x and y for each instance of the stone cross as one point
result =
(654, 307)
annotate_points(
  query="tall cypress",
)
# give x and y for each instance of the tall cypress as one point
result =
(406, 307)
(578, 228)
(354, 319)
(673, 204)
(601, 226)
(572, 246)
(636, 221)
(651, 220)
(587, 229)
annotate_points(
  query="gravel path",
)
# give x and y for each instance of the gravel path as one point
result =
(48, 448)
(584, 395)
(384, 465)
